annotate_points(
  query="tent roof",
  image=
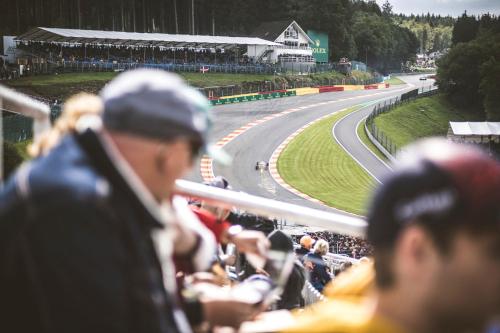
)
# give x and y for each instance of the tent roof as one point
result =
(475, 128)
(120, 38)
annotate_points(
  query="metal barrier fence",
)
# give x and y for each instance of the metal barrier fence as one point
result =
(251, 68)
(268, 86)
(387, 106)
(18, 127)
(311, 295)
(97, 66)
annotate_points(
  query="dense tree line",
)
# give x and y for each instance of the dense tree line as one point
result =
(357, 29)
(434, 32)
(469, 73)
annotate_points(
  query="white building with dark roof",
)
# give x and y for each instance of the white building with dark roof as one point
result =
(293, 50)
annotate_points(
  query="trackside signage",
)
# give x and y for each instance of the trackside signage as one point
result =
(319, 46)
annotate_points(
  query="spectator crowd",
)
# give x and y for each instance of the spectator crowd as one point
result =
(353, 247)
(94, 236)
(131, 54)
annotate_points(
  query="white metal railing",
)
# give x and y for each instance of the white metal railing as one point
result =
(334, 222)
(310, 294)
(307, 59)
(15, 102)
(291, 47)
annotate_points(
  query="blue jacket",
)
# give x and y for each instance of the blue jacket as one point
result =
(75, 248)
(319, 276)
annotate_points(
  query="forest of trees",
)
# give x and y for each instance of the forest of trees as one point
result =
(357, 29)
(433, 32)
(469, 72)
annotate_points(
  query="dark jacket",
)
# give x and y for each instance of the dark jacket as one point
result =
(291, 298)
(319, 276)
(76, 253)
(301, 252)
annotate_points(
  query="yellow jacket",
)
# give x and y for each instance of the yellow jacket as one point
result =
(357, 281)
(348, 309)
(354, 315)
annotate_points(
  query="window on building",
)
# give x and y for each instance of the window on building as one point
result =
(291, 32)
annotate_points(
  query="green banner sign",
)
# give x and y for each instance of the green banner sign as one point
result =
(319, 46)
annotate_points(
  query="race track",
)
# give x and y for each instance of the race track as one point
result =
(259, 142)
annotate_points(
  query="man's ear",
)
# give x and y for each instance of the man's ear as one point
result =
(160, 159)
(415, 250)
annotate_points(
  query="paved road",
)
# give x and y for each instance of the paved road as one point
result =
(345, 133)
(260, 142)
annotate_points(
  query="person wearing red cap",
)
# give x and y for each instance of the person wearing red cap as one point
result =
(435, 227)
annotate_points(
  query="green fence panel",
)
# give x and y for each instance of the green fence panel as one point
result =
(17, 128)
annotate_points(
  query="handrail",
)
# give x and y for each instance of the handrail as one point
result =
(335, 222)
(19, 103)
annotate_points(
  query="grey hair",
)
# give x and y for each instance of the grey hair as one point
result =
(321, 247)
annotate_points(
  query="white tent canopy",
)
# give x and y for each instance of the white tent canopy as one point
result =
(120, 38)
(475, 128)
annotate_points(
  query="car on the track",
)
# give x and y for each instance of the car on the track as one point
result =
(423, 78)
(262, 165)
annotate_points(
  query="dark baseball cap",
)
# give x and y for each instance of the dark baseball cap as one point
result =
(158, 105)
(436, 181)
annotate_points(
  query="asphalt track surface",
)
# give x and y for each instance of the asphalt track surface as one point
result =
(259, 142)
(344, 132)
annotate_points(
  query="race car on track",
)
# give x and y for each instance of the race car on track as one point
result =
(262, 165)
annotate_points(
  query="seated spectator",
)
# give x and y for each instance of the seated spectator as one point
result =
(319, 275)
(306, 243)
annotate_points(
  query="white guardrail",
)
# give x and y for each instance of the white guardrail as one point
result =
(15, 102)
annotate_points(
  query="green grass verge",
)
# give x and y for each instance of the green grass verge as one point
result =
(315, 164)
(64, 85)
(394, 81)
(360, 75)
(423, 117)
(364, 138)
(69, 78)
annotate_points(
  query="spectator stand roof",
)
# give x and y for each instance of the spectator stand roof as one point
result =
(475, 128)
(474, 132)
(135, 39)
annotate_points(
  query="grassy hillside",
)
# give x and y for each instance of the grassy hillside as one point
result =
(424, 117)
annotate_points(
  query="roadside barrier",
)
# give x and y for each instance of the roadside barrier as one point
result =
(378, 137)
(293, 92)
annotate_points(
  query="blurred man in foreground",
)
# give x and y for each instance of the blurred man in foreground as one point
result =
(435, 227)
(88, 233)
